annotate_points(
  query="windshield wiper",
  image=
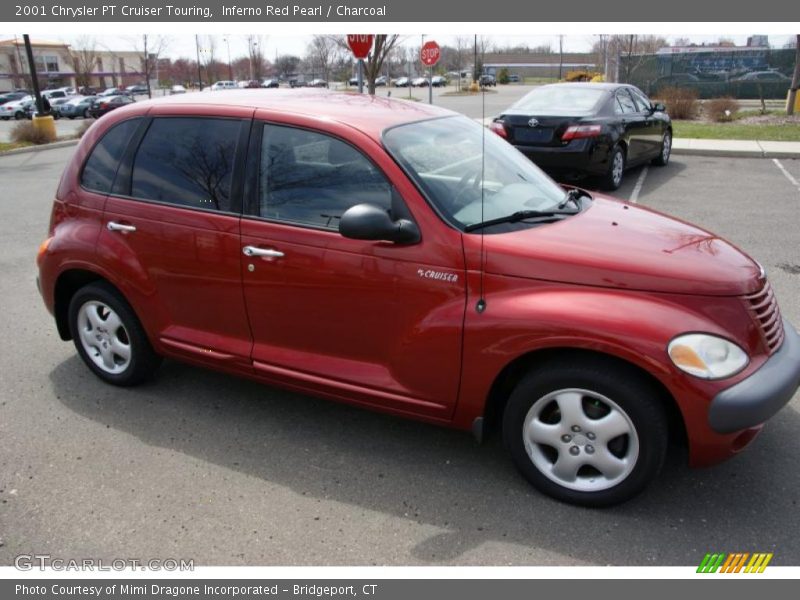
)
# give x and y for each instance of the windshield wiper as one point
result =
(573, 196)
(520, 215)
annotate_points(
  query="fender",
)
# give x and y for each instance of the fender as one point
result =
(525, 316)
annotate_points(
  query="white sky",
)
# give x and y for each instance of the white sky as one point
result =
(183, 46)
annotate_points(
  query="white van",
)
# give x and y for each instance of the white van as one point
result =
(224, 85)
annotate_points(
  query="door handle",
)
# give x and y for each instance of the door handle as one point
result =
(266, 252)
(112, 226)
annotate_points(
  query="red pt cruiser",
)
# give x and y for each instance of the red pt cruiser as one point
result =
(399, 257)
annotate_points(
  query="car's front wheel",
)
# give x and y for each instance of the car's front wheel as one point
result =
(109, 337)
(591, 432)
(666, 150)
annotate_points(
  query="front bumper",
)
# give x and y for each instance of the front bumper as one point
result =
(757, 398)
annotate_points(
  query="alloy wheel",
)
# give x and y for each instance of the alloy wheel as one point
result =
(104, 337)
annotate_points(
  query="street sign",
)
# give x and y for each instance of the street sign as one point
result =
(360, 45)
(430, 53)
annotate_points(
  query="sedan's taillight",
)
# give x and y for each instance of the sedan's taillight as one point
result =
(499, 129)
(576, 132)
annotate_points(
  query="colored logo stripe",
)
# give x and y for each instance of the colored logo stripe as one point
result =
(733, 563)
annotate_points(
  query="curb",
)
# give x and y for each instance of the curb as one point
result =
(40, 147)
(722, 153)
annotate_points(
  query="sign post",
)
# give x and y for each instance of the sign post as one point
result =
(360, 46)
(429, 54)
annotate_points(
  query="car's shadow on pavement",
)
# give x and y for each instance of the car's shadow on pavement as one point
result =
(655, 178)
(440, 477)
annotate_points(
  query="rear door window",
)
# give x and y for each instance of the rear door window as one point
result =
(625, 104)
(101, 167)
(187, 161)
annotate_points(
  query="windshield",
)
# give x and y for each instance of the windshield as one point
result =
(560, 100)
(446, 158)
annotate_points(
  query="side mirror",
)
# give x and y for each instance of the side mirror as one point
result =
(658, 107)
(370, 222)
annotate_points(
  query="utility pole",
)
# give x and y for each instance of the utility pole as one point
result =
(795, 79)
(227, 41)
(199, 72)
(560, 57)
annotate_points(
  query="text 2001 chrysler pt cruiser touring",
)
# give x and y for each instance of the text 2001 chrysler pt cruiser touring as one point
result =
(396, 256)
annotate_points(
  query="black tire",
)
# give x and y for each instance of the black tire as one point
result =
(613, 177)
(666, 150)
(143, 362)
(18, 116)
(86, 113)
(636, 401)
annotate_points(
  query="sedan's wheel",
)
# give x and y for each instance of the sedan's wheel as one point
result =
(616, 168)
(19, 116)
(109, 337)
(86, 113)
(591, 433)
(666, 149)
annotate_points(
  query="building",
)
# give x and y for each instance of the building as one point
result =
(539, 64)
(59, 64)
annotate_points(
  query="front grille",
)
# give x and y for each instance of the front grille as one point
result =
(764, 307)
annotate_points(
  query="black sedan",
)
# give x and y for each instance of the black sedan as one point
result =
(578, 129)
(103, 105)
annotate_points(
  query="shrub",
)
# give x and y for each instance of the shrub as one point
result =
(25, 132)
(681, 102)
(502, 76)
(722, 109)
(83, 128)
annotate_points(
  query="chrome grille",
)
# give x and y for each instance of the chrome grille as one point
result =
(764, 307)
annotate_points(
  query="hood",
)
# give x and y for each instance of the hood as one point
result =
(614, 244)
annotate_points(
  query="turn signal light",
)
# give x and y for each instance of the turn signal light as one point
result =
(499, 129)
(576, 132)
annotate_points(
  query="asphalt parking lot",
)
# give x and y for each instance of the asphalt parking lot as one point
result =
(200, 465)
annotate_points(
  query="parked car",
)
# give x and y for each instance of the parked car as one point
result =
(16, 109)
(346, 253)
(11, 97)
(401, 82)
(381, 81)
(420, 82)
(487, 81)
(76, 107)
(764, 76)
(223, 85)
(54, 94)
(270, 83)
(104, 105)
(438, 81)
(55, 106)
(318, 83)
(579, 129)
(514, 78)
(113, 91)
(136, 89)
(177, 89)
(297, 83)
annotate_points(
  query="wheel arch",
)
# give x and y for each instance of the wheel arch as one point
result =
(512, 373)
(67, 284)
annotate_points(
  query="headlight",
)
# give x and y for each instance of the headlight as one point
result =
(707, 356)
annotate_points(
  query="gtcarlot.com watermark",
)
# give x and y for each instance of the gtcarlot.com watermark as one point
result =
(42, 562)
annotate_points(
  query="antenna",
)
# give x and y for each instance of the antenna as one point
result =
(481, 304)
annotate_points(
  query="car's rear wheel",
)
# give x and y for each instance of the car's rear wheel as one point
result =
(86, 113)
(616, 169)
(666, 150)
(589, 433)
(109, 337)
(19, 116)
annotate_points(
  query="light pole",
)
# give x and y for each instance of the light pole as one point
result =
(227, 41)
(199, 72)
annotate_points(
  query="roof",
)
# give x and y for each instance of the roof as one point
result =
(34, 43)
(370, 114)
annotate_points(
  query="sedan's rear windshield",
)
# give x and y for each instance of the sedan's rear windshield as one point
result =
(560, 100)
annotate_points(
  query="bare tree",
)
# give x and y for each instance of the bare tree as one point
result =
(795, 79)
(462, 44)
(323, 51)
(255, 54)
(150, 48)
(627, 52)
(286, 65)
(382, 47)
(84, 60)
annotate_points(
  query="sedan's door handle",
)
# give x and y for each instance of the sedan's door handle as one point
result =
(254, 251)
(112, 226)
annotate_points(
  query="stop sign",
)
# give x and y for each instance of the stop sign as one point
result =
(360, 45)
(429, 53)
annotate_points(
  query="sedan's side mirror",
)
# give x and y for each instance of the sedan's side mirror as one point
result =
(370, 222)
(658, 107)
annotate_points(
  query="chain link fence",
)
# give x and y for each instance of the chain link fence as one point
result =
(747, 73)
